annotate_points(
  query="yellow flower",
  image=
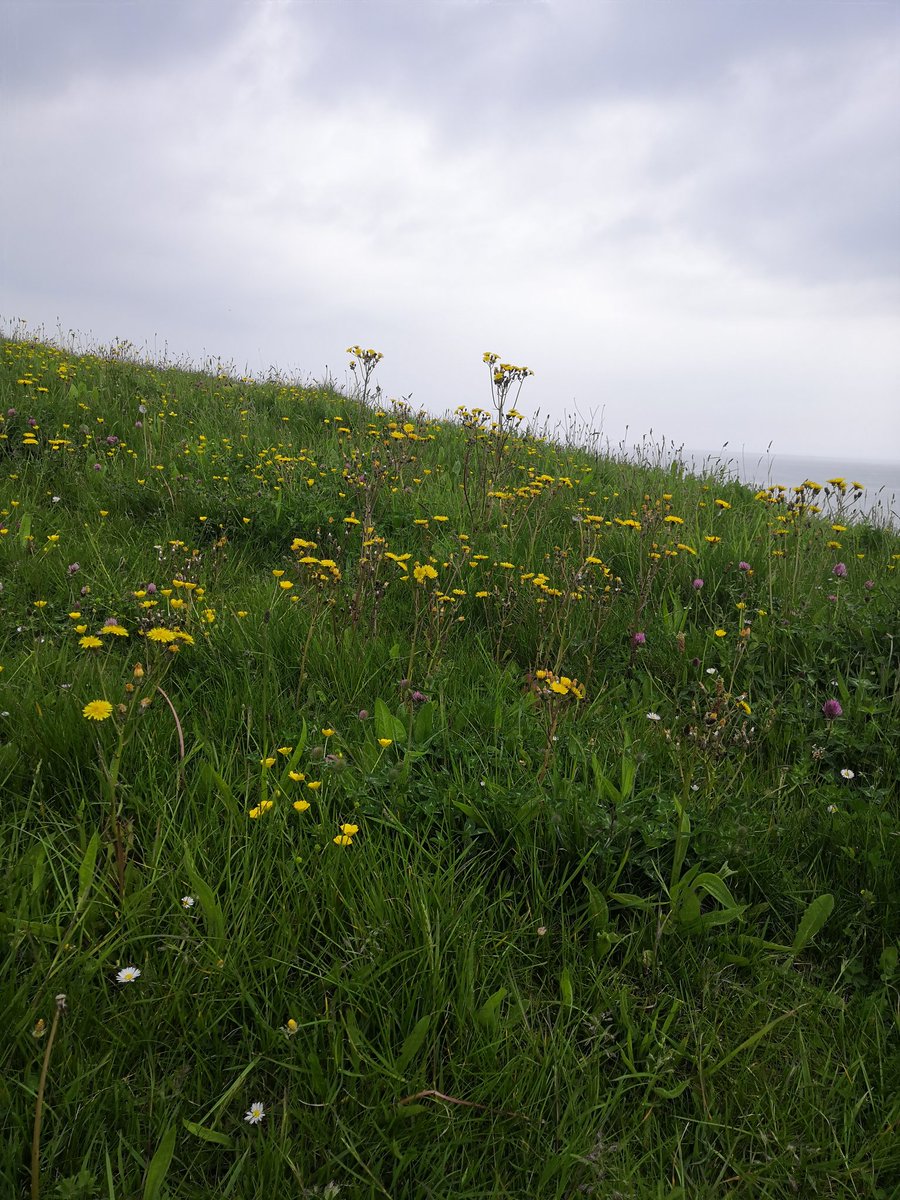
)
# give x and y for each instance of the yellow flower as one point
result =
(267, 762)
(721, 633)
(81, 628)
(674, 520)
(285, 584)
(285, 750)
(262, 807)
(327, 733)
(161, 635)
(116, 630)
(301, 805)
(349, 830)
(385, 742)
(723, 504)
(314, 785)
(422, 573)
(343, 840)
(297, 776)
(74, 615)
(90, 643)
(40, 604)
(97, 710)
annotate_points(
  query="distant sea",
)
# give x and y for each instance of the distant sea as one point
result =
(880, 499)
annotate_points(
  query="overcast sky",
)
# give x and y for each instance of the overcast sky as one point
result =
(683, 215)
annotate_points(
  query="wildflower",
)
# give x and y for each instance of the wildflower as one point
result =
(290, 1027)
(160, 635)
(97, 710)
(869, 584)
(90, 642)
(722, 504)
(127, 975)
(418, 697)
(301, 805)
(343, 839)
(839, 570)
(652, 716)
(638, 639)
(328, 733)
(744, 566)
(255, 1113)
(262, 807)
(385, 742)
(314, 785)
(832, 808)
(188, 902)
(698, 584)
(721, 633)
(846, 773)
(297, 776)
(832, 709)
(267, 762)
(349, 830)
(114, 628)
(285, 750)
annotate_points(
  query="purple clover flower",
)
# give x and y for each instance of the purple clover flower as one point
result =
(698, 584)
(638, 639)
(839, 570)
(832, 709)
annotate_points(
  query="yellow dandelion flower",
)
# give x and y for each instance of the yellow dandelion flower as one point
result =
(90, 643)
(97, 710)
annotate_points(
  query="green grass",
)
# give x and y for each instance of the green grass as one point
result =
(571, 949)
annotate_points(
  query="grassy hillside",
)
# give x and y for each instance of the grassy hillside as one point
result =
(505, 820)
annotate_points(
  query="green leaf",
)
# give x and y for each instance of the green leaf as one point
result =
(424, 722)
(565, 988)
(387, 725)
(208, 1135)
(86, 870)
(216, 783)
(750, 1042)
(159, 1164)
(488, 1016)
(24, 529)
(212, 912)
(412, 1044)
(812, 921)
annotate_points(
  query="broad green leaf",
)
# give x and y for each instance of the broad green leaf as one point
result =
(488, 1015)
(812, 921)
(208, 1135)
(716, 886)
(212, 912)
(424, 722)
(159, 1165)
(412, 1044)
(86, 870)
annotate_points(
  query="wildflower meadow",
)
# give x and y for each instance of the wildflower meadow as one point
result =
(402, 807)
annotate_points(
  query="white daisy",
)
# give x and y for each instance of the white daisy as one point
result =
(255, 1113)
(847, 773)
(188, 901)
(652, 716)
(127, 975)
